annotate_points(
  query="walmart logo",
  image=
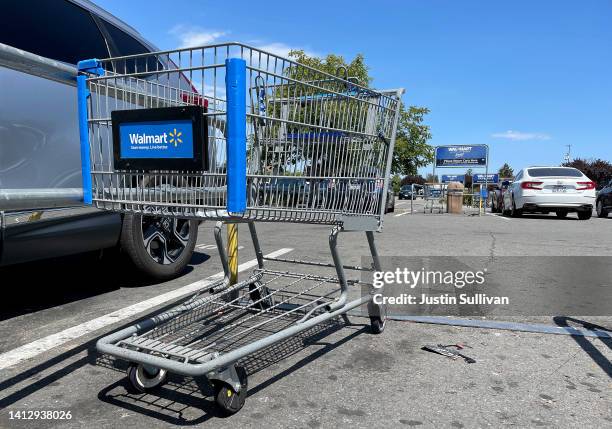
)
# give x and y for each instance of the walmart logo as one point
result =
(173, 137)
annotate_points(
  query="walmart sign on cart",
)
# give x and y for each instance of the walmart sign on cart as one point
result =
(161, 139)
(170, 138)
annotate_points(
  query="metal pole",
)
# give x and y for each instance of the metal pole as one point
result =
(232, 252)
(28, 199)
(411, 197)
(486, 177)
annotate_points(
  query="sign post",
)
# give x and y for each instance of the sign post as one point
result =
(461, 156)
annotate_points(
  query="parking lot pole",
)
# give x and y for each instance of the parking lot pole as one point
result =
(232, 251)
(411, 197)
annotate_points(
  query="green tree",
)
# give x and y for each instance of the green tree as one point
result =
(505, 171)
(416, 179)
(597, 170)
(396, 183)
(431, 178)
(334, 64)
(411, 148)
(467, 181)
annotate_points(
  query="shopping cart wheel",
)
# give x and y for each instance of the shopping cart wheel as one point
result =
(145, 379)
(377, 324)
(257, 291)
(228, 400)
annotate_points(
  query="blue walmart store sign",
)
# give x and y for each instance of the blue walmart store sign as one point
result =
(159, 139)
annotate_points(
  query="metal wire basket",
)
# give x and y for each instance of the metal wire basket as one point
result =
(314, 147)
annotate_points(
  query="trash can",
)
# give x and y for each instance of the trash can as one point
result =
(454, 198)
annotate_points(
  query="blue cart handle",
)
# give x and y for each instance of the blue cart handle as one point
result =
(235, 85)
(85, 68)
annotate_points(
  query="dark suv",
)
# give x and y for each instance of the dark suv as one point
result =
(603, 203)
(40, 44)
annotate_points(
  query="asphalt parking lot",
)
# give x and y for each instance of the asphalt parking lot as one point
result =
(334, 375)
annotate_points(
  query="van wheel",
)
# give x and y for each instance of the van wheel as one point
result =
(561, 214)
(584, 215)
(160, 247)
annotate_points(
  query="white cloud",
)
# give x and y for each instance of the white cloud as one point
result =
(520, 136)
(281, 49)
(195, 36)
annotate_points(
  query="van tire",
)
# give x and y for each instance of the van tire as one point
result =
(132, 242)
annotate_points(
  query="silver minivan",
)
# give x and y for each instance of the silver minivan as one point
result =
(40, 44)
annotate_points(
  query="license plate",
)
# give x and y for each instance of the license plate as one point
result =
(559, 188)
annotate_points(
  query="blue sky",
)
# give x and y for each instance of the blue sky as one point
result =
(524, 77)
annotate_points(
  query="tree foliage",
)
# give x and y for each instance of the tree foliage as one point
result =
(410, 179)
(411, 148)
(597, 170)
(432, 178)
(505, 171)
(396, 183)
(332, 64)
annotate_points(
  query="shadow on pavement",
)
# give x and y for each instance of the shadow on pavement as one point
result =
(39, 381)
(39, 285)
(586, 344)
(570, 217)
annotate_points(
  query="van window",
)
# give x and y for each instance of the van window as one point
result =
(56, 29)
(123, 44)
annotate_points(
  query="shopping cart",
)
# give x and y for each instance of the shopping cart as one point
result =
(232, 133)
(435, 197)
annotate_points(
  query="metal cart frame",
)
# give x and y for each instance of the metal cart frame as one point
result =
(286, 118)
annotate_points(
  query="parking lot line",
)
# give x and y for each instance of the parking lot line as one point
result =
(403, 213)
(211, 247)
(497, 216)
(30, 350)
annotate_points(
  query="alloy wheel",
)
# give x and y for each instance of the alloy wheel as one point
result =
(164, 238)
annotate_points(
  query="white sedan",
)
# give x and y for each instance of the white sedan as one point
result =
(546, 189)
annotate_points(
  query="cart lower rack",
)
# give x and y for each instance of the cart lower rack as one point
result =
(210, 333)
(234, 134)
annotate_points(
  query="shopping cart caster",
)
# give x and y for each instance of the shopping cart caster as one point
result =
(145, 378)
(377, 324)
(228, 400)
(257, 291)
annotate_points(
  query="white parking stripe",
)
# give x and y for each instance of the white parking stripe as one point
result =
(403, 213)
(498, 216)
(30, 350)
(211, 247)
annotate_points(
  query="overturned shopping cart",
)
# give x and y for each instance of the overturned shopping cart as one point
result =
(235, 134)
